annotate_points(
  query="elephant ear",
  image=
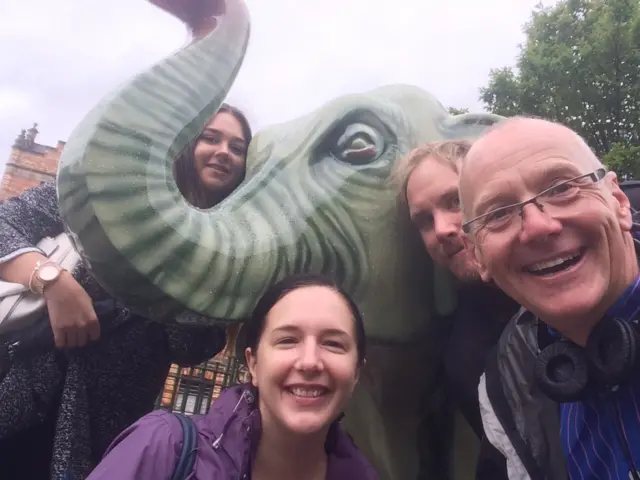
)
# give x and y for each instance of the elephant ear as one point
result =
(468, 125)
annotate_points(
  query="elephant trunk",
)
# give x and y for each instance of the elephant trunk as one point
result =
(116, 190)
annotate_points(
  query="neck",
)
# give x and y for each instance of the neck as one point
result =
(203, 198)
(284, 456)
(213, 198)
(579, 328)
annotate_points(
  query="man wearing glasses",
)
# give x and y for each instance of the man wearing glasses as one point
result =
(553, 229)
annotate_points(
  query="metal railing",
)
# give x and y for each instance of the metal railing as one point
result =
(192, 390)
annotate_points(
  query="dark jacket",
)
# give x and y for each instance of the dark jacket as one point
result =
(59, 410)
(482, 315)
(511, 402)
(228, 438)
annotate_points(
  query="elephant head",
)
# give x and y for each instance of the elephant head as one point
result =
(316, 198)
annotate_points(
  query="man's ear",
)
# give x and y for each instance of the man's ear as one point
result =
(623, 205)
(250, 358)
(477, 255)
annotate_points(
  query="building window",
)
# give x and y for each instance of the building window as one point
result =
(193, 390)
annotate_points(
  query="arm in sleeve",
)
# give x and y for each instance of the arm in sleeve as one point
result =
(27, 219)
(147, 449)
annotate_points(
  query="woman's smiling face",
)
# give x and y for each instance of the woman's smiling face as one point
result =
(220, 153)
(306, 363)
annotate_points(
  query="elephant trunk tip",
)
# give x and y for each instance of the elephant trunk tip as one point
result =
(199, 16)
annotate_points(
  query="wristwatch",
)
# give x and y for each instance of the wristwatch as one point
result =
(43, 275)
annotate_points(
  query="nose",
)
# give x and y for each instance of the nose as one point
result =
(309, 358)
(537, 224)
(223, 151)
(445, 226)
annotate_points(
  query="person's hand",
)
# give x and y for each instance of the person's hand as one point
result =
(73, 320)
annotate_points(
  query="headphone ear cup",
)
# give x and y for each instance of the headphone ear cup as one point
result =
(612, 349)
(561, 372)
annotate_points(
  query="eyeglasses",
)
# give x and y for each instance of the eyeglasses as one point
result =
(551, 201)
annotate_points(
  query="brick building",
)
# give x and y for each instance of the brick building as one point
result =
(190, 390)
(29, 164)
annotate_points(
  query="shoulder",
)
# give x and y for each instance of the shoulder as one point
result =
(158, 428)
(147, 449)
(45, 191)
(39, 200)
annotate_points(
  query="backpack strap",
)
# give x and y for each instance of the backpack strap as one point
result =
(189, 443)
(502, 410)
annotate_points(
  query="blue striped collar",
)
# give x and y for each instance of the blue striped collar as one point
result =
(628, 305)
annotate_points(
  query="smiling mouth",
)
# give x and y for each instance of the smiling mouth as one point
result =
(313, 392)
(556, 265)
(218, 168)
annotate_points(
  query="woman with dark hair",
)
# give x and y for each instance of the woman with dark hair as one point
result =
(214, 163)
(61, 407)
(305, 347)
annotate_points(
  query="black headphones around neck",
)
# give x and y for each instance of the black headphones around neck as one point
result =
(565, 372)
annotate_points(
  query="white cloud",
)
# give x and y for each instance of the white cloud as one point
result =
(59, 58)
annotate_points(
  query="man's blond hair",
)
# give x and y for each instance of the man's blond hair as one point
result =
(448, 152)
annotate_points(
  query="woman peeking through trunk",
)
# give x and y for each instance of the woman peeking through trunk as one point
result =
(305, 346)
(62, 407)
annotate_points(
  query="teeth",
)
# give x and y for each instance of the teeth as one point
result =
(552, 263)
(307, 392)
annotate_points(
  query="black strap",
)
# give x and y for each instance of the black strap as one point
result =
(501, 408)
(189, 443)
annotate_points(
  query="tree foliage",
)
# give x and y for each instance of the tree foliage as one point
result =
(580, 65)
(624, 159)
(457, 111)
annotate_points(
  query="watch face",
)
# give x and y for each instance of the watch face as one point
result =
(48, 273)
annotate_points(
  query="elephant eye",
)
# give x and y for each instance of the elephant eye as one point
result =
(359, 144)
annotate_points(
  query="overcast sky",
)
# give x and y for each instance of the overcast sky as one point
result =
(58, 58)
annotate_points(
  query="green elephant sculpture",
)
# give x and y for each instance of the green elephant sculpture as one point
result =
(316, 198)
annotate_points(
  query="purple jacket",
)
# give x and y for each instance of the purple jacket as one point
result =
(228, 437)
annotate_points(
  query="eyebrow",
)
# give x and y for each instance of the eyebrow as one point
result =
(447, 195)
(563, 168)
(294, 329)
(443, 200)
(486, 202)
(419, 214)
(215, 130)
(559, 168)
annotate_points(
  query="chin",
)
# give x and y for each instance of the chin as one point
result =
(213, 184)
(465, 273)
(568, 305)
(307, 426)
(463, 268)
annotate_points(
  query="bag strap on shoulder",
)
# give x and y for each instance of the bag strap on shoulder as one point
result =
(189, 443)
(502, 410)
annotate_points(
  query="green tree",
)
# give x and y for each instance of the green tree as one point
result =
(579, 65)
(624, 159)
